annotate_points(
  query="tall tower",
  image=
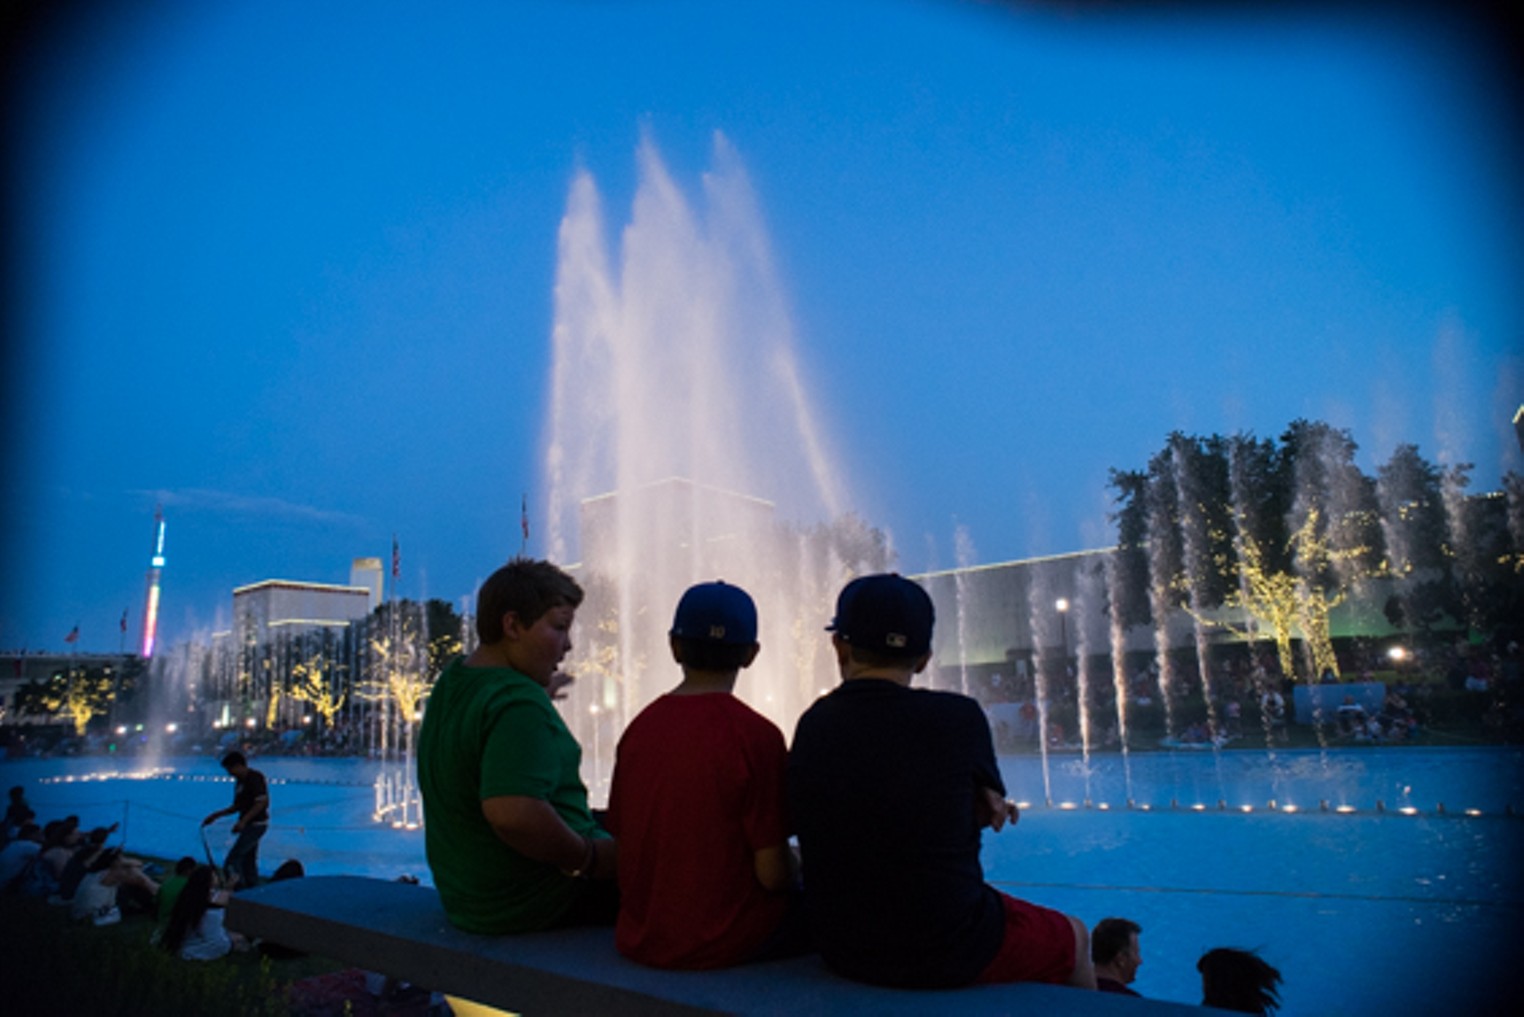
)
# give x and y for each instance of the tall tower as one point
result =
(155, 566)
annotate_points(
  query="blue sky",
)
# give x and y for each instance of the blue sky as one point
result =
(287, 268)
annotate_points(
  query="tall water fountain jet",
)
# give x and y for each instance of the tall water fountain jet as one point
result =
(963, 545)
(682, 448)
(1116, 633)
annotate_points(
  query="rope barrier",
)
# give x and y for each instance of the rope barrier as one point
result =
(1510, 905)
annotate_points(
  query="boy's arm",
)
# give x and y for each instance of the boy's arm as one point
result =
(993, 809)
(773, 869)
(533, 828)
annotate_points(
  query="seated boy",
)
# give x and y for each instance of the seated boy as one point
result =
(890, 787)
(509, 837)
(697, 803)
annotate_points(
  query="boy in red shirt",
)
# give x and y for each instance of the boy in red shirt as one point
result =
(697, 804)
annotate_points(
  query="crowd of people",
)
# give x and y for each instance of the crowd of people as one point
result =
(723, 844)
(99, 884)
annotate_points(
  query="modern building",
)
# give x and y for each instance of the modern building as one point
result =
(266, 610)
(368, 572)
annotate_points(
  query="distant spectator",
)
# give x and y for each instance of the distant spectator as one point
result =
(79, 862)
(19, 858)
(1238, 980)
(169, 890)
(1272, 707)
(17, 813)
(1114, 949)
(113, 883)
(291, 868)
(195, 929)
(1351, 717)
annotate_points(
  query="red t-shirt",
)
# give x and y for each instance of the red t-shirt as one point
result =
(698, 789)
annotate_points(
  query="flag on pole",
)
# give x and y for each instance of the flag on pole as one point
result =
(524, 517)
(124, 619)
(73, 636)
(396, 558)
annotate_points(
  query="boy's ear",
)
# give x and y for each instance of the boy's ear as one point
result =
(676, 647)
(921, 662)
(752, 655)
(511, 624)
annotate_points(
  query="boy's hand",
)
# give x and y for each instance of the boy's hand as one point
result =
(994, 811)
(556, 687)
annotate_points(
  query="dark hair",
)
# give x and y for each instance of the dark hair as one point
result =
(1110, 937)
(190, 907)
(234, 758)
(867, 657)
(704, 655)
(104, 860)
(185, 866)
(289, 869)
(1238, 980)
(54, 833)
(528, 588)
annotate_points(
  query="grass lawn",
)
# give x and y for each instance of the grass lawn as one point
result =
(55, 966)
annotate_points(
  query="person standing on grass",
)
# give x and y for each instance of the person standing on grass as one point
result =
(251, 801)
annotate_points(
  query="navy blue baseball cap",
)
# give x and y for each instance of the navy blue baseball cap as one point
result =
(885, 613)
(716, 613)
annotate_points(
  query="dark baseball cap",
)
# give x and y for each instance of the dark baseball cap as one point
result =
(716, 613)
(885, 613)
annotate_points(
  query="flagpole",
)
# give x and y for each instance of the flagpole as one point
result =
(524, 524)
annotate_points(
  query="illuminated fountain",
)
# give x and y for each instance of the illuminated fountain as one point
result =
(682, 448)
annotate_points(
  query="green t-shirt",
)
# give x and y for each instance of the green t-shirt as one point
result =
(169, 890)
(489, 732)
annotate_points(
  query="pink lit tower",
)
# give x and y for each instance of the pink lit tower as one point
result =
(155, 567)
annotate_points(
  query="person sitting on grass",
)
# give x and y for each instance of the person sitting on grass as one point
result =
(195, 930)
(59, 842)
(18, 859)
(113, 883)
(80, 860)
(169, 892)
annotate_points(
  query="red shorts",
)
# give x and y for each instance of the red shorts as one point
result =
(1038, 946)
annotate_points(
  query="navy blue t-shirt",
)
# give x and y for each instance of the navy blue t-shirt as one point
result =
(882, 786)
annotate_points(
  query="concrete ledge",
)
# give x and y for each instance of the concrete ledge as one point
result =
(401, 930)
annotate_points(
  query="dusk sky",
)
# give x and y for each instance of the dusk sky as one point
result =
(287, 268)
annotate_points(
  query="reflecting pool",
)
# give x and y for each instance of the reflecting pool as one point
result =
(1395, 909)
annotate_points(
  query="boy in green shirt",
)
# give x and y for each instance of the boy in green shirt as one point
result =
(510, 840)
